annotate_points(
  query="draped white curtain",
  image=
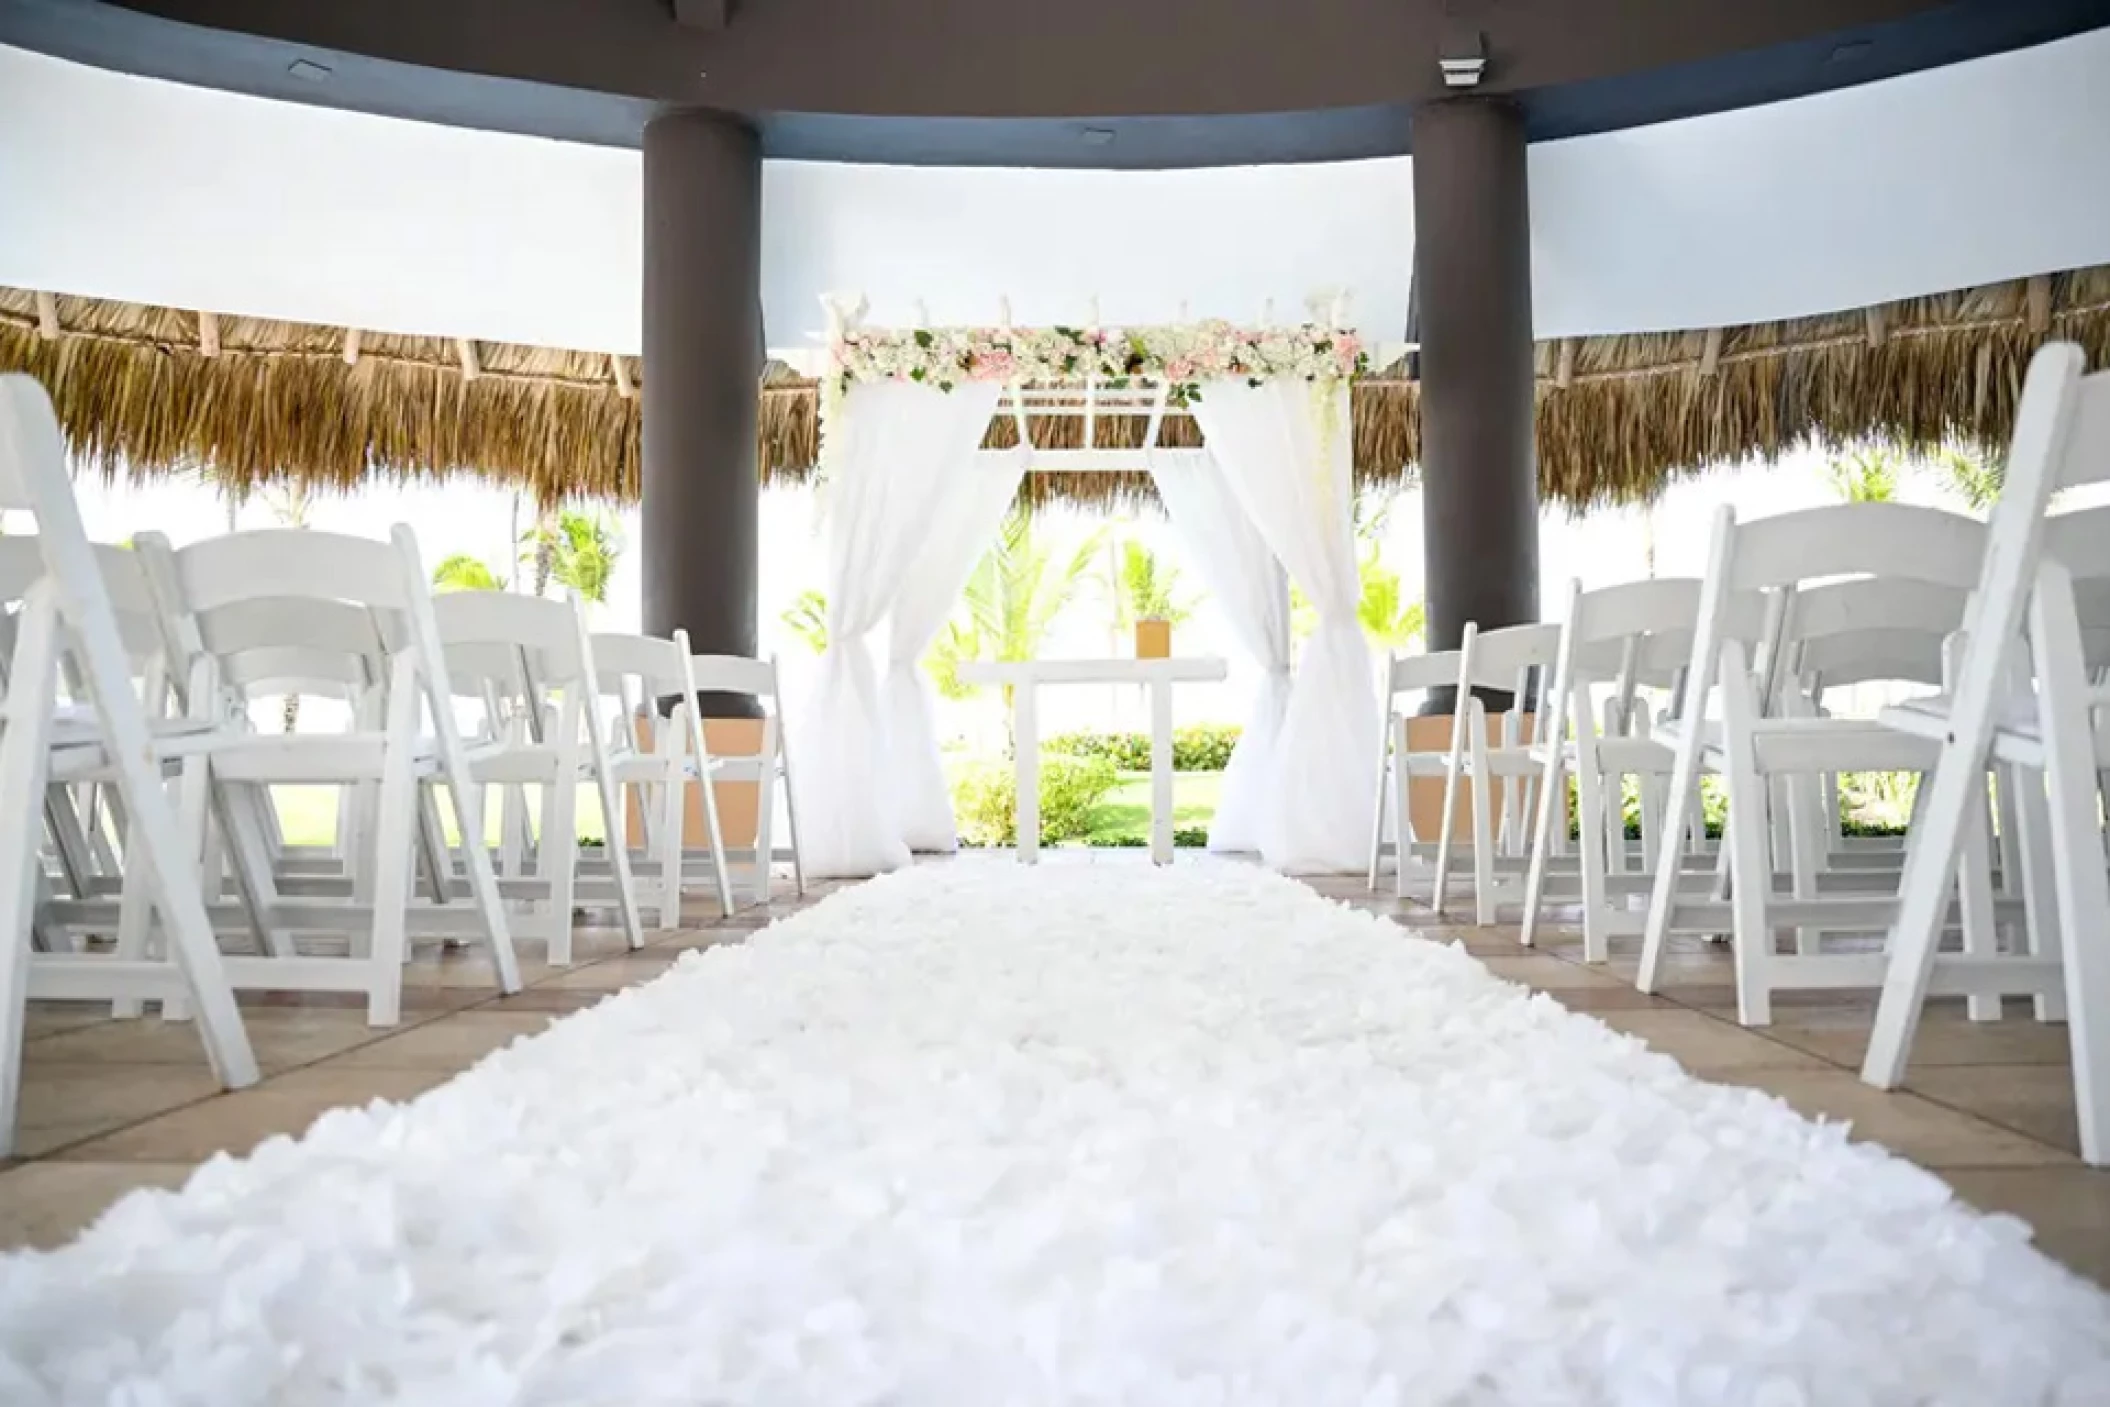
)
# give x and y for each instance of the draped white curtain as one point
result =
(893, 456)
(953, 541)
(1284, 450)
(1250, 588)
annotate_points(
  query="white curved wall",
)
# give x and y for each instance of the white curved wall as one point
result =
(131, 188)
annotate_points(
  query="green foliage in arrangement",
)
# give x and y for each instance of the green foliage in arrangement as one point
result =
(985, 799)
(1205, 747)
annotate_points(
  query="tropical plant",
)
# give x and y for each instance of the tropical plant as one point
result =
(1975, 478)
(807, 618)
(1012, 599)
(1868, 475)
(1146, 587)
(573, 549)
(1386, 618)
(460, 571)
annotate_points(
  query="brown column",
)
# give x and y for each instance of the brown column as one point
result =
(700, 518)
(1472, 276)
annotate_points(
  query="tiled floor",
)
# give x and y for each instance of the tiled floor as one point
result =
(113, 1105)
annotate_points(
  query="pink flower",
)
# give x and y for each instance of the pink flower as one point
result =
(1179, 369)
(995, 366)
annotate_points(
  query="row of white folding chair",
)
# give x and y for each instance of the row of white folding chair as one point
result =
(767, 769)
(2022, 695)
(1753, 746)
(68, 610)
(636, 671)
(1629, 642)
(1500, 776)
(1406, 676)
(359, 599)
(510, 653)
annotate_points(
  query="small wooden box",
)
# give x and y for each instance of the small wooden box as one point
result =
(738, 802)
(1153, 639)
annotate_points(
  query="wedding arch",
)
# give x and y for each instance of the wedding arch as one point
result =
(910, 498)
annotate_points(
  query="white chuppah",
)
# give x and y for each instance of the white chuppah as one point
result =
(1104, 1133)
(909, 500)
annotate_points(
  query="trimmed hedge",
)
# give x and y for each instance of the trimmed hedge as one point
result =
(1204, 747)
(985, 799)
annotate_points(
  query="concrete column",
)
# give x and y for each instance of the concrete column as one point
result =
(1472, 274)
(703, 366)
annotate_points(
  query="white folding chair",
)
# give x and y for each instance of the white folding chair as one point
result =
(352, 596)
(635, 672)
(769, 767)
(2022, 695)
(1518, 658)
(1757, 744)
(1619, 641)
(69, 611)
(1406, 675)
(510, 652)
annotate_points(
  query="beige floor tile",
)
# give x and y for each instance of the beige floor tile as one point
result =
(1613, 997)
(52, 1018)
(45, 1205)
(552, 1000)
(235, 1123)
(1906, 1124)
(2032, 1099)
(2067, 1208)
(1945, 1037)
(1545, 973)
(687, 938)
(615, 973)
(65, 1103)
(470, 976)
(1704, 1046)
(282, 1039)
(449, 1044)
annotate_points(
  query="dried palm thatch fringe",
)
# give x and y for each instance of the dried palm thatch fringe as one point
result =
(282, 402)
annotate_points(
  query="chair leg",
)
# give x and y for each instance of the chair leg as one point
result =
(1683, 805)
(1377, 819)
(25, 763)
(1750, 861)
(1402, 811)
(557, 853)
(1484, 785)
(612, 839)
(395, 835)
(2041, 934)
(765, 832)
(1974, 892)
(671, 795)
(1453, 775)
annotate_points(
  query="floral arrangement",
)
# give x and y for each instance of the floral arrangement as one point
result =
(1180, 356)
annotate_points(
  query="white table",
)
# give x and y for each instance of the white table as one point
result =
(1025, 678)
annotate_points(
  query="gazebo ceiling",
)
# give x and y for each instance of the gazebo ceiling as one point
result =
(1088, 83)
(146, 391)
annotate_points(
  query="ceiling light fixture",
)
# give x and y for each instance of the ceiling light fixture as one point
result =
(309, 72)
(1097, 136)
(1463, 58)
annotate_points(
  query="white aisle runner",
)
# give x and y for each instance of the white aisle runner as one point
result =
(977, 1134)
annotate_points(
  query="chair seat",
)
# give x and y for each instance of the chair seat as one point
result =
(1805, 745)
(2017, 734)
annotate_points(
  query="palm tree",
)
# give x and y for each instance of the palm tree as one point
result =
(573, 549)
(463, 572)
(1867, 475)
(1975, 478)
(1012, 600)
(1386, 618)
(807, 618)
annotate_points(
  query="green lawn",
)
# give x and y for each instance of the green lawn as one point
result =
(1125, 813)
(308, 815)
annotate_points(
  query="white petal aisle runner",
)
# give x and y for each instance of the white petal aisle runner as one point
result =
(979, 1134)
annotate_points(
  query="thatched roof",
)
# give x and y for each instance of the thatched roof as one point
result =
(147, 391)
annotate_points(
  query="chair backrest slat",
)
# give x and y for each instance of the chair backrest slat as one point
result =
(735, 674)
(1857, 539)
